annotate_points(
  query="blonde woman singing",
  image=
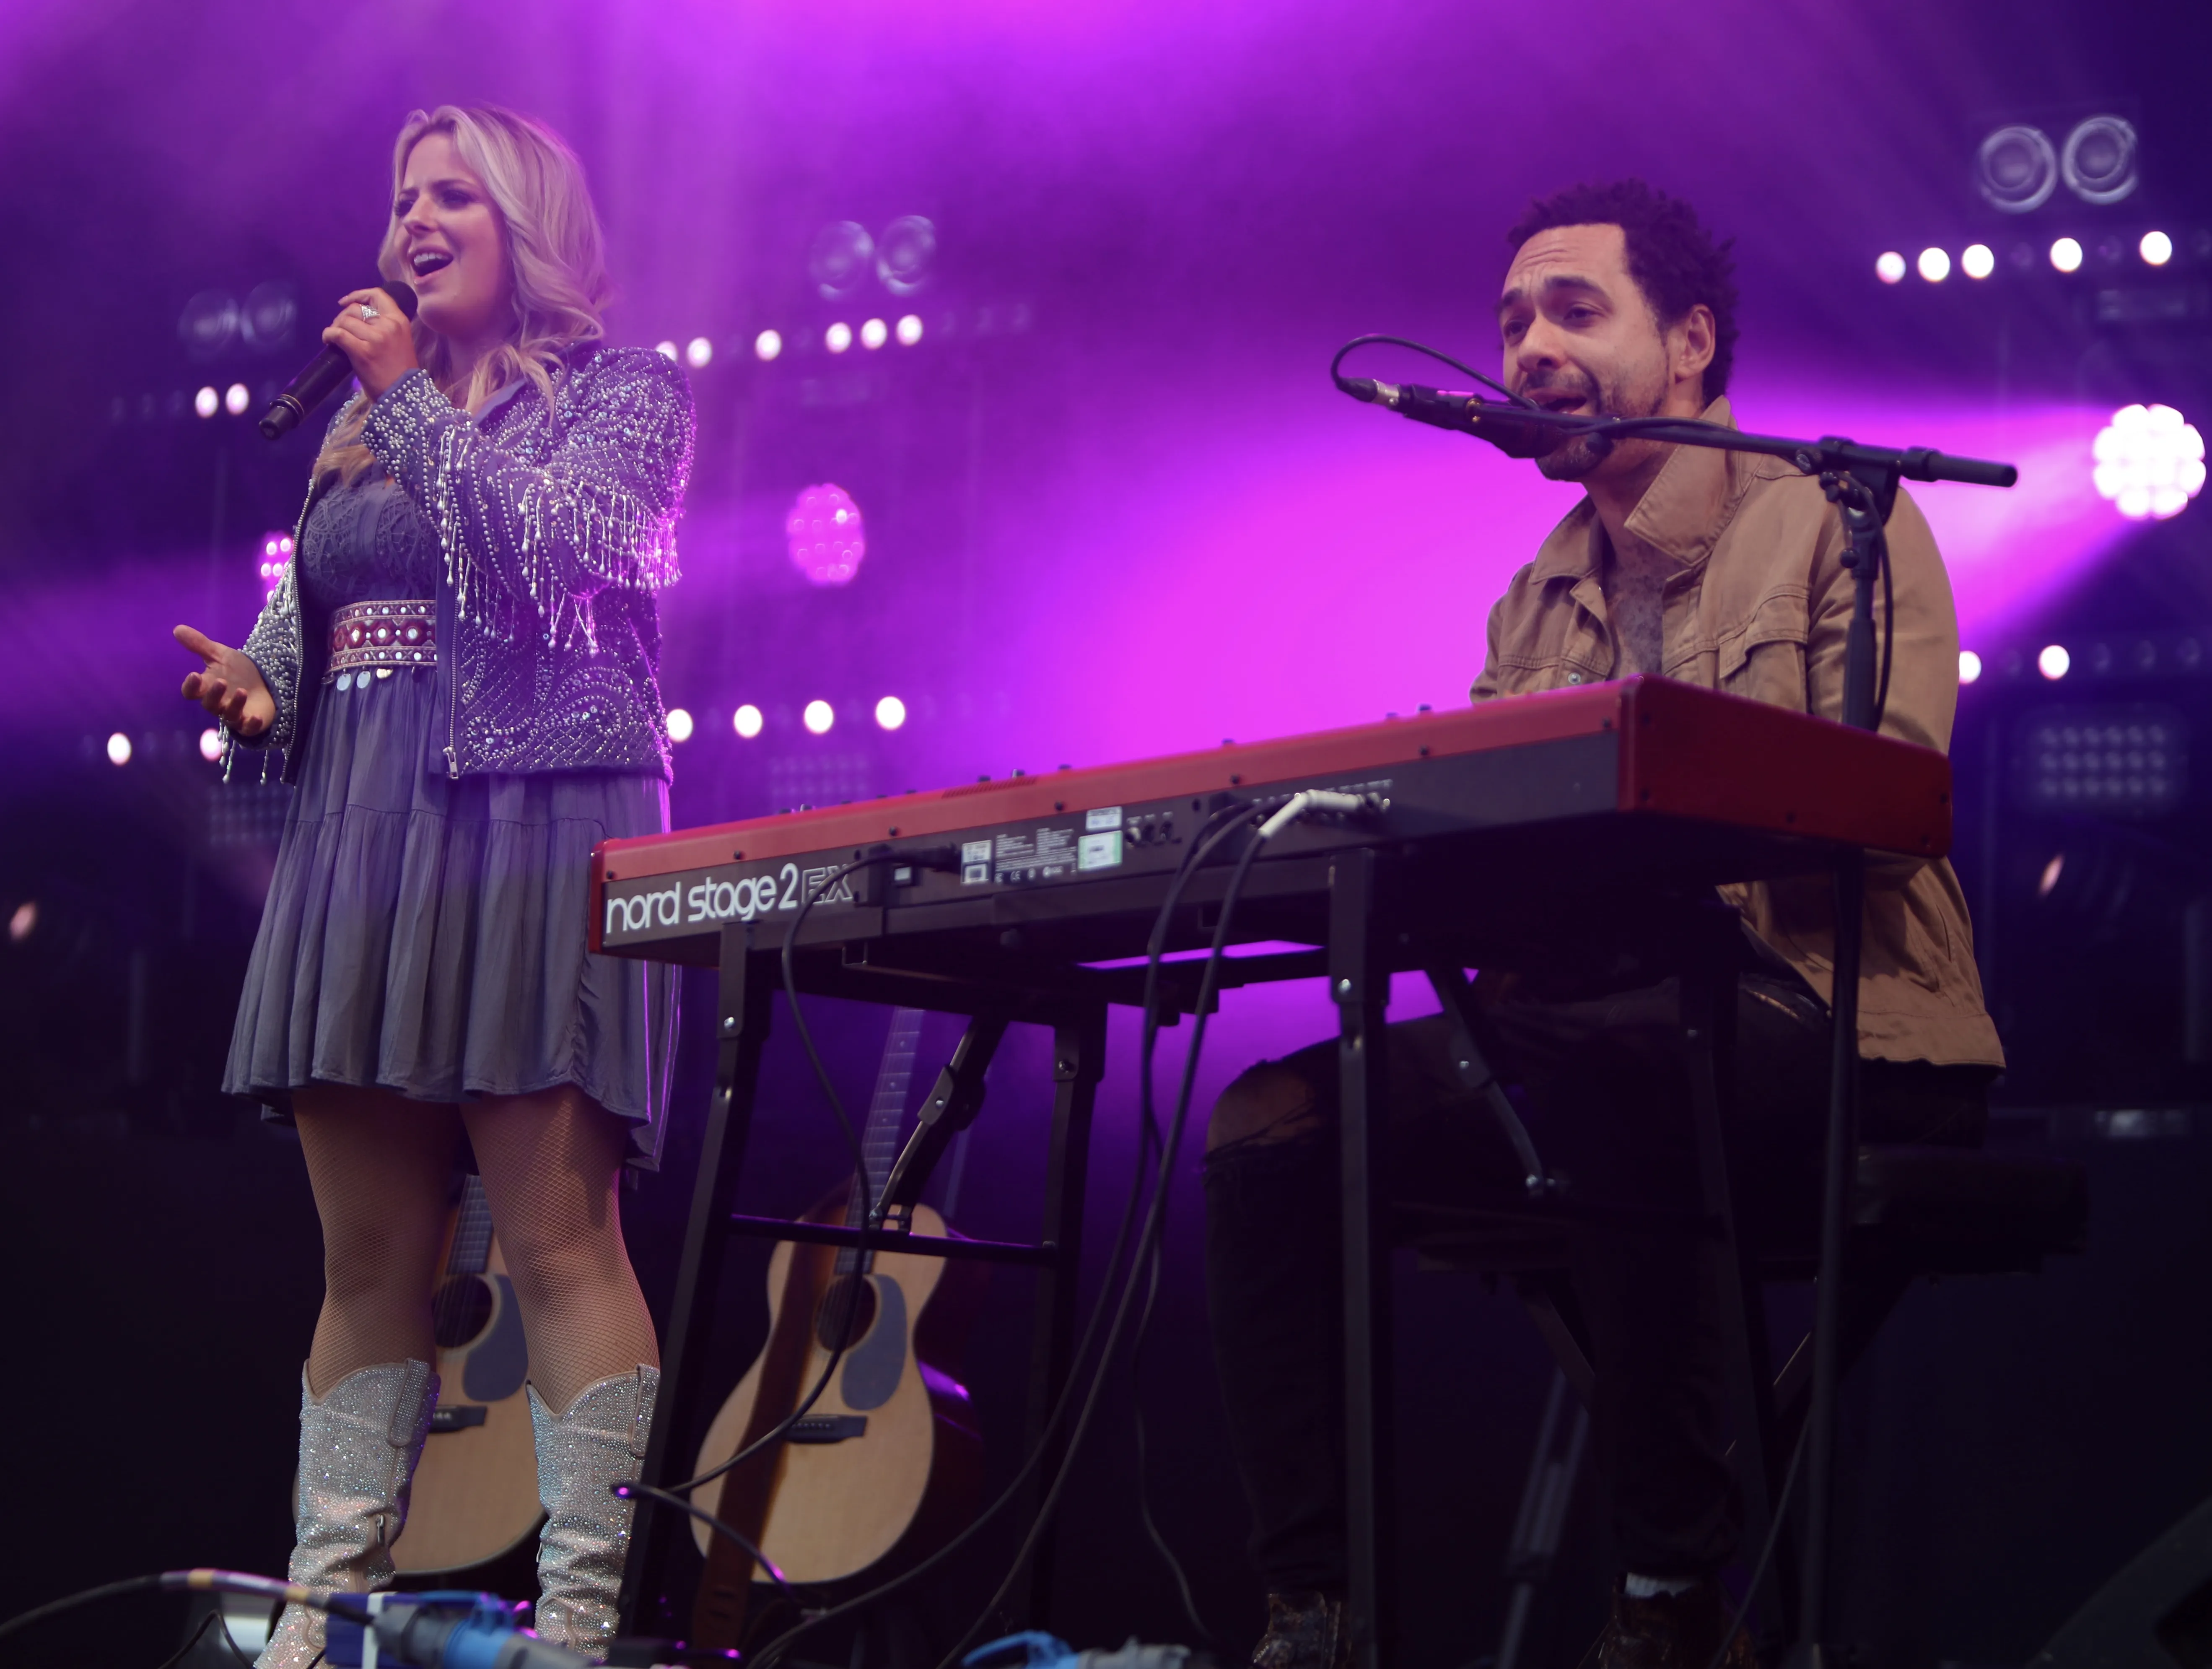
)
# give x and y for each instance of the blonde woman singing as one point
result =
(460, 672)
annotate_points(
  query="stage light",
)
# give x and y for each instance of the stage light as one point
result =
(2066, 255)
(667, 348)
(1889, 267)
(679, 724)
(1934, 265)
(1978, 260)
(840, 257)
(2149, 462)
(25, 922)
(890, 712)
(208, 323)
(211, 743)
(909, 330)
(874, 334)
(2016, 169)
(747, 721)
(2099, 162)
(268, 316)
(767, 344)
(2156, 248)
(2054, 662)
(838, 337)
(119, 749)
(825, 535)
(904, 256)
(819, 717)
(273, 557)
(698, 353)
(207, 402)
(2130, 759)
(1970, 665)
(234, 398)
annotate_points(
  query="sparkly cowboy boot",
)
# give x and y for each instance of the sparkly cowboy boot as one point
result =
(581, 1454)
(359, 1442)
(1305, 1630)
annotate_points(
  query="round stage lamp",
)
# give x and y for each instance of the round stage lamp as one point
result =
(119, 749)
(890, 712)
(679, 724)
(2149, 461)
(909, 330)
(272, 558)
(874, 334)
(211, 743)
(747, 721)
(698, 353)
(2156, 248)
(207, 402)
(266, 320)
(825, 535)
(2066, 254)
(2099, 162)
(840, 257)
(1978, 260)
(207, 324)
(767, 345)
(1935, 266)
(906, 254)
(2054, 662)
(234, 399)
(2016, 169)
(665, 348)
(24, 921)
(1889, 267)
(838, 337)
(819, 717)
(1970, 665)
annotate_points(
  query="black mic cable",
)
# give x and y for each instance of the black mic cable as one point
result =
(324, 375)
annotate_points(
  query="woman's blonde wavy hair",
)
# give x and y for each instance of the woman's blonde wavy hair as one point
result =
(555, 257)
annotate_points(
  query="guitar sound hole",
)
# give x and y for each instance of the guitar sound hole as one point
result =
(852, 1289)
(462, 1311)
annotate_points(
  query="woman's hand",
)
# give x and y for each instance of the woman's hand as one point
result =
(380, 342)
(229, 685)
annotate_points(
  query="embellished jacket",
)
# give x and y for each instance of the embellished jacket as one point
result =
(556, 532)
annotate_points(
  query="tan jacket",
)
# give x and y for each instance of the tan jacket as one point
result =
(1759, 609)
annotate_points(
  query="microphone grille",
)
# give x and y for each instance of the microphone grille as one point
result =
(402, 293)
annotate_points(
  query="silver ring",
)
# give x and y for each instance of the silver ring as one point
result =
(368, 312)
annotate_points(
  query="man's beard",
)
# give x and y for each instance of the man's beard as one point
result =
(1579, 456)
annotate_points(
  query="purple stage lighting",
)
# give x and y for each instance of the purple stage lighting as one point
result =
(841, 256)
(207, 402)
(666, 349)
(874, 334)
(2149, 462)
(838, 337)
(890, 712)
(2066, 254)
(2054, 662)
(273, 557)
(1978, 260)
(211, 743)
(819, 717)
(119, 749)
(234, 399)
(2156, 248)
(1935, 266)
(698, 353)
(767, 344)
(825, 535)
(904, 258)
(747, 721)
(1889, 267)
(909, 330)
(679, 724)
(1970, 665)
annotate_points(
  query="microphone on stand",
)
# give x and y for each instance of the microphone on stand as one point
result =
(324, 375)
(1465, 413)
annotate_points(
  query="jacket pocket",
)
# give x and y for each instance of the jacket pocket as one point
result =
(1764, 658)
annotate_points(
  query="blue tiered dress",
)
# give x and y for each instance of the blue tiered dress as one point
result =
(426, 934)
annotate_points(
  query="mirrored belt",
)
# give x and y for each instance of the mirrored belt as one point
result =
(383, 636)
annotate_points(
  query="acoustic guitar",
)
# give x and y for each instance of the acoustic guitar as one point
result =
(476, 1488)
(888, 1459)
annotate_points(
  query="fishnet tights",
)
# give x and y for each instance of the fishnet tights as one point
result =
(382, 1167)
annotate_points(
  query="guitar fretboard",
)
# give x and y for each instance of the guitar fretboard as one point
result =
(879, 1142)
(472, 1232)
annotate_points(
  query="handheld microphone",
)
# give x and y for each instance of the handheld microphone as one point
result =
(1465, 413)
(324, 375)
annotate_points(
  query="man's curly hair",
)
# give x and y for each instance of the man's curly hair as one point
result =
(1673, 259)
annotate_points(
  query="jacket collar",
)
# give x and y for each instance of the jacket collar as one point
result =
(1681, 513)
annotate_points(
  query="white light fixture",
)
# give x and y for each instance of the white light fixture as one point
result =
(890, 712)
(207, 402)
(2149, 462)
(698, 353)
(1978, 260)
(838, 337)
(2156, 248)
(767, 344)
(2066, 255)
(211, 743)
(819, 717)
(234, 398)
(667, 348)
(1935, 266)
(2054, 662)
(1970, 665)
(874, 334)
(909, 330)
(119, 749)
(679, 724)
(747, 721)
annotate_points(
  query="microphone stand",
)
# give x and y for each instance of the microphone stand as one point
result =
(1861, 481)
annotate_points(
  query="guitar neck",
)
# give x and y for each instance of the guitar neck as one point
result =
(471, 1249)
(886, 1113)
